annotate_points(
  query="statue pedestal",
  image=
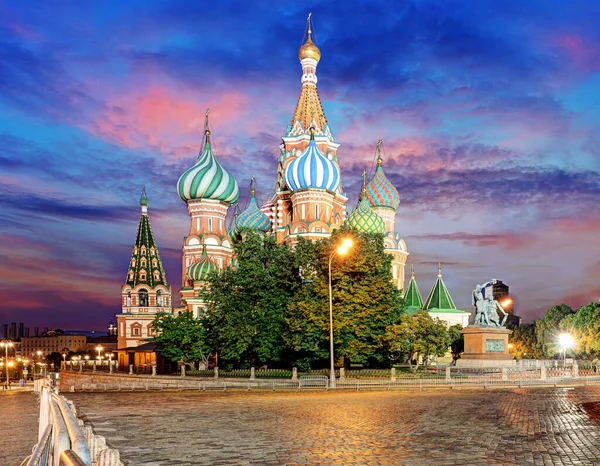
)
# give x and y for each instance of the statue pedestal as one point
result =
(486, 347)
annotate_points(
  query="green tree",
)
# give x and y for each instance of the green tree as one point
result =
(418, 337)
(181, 338)
(548, 328)
(523, 340)
(365, 301)
(457, 341)
(584, 326)
(246, 305)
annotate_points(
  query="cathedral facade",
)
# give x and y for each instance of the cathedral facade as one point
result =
(309, 202)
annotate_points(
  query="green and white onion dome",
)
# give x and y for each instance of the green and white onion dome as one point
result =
(364, 220)
(207, 179)
(253, 218)
(201, 269)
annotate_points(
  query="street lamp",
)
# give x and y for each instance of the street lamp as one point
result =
(99, 349)
(341, 250)
(566, 342)
(6, 344)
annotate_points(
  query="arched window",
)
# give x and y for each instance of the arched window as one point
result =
(143, 262)
(156, 275)
(210, 224)
(143, 250)
(154, 263)
(159, 298)
(317, 211)
(143, 275)
(152, 251)
(143, 297)
(133, 262)
(129, 298)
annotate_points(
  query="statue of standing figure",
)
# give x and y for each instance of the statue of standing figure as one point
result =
(487, 307)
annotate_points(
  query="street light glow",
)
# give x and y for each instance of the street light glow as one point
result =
(566, 341)
(347, 243)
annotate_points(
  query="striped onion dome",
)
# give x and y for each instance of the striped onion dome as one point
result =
(199, 270)
(364, 220)
(380, 191)
(253, 218)
(312, 169)
(206, 179)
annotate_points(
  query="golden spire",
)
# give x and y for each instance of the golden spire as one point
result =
(379, 159)
(309, 49)
(252, 188)
(412, 271)
(440, 269)
(206, 130)
(364, 186)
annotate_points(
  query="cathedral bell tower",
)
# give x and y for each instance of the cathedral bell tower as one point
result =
(309, 200)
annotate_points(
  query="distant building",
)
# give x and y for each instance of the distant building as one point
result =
(53, 344)
(502, 295)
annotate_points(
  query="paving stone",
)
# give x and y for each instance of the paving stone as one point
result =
(542, 426)
(18, 425)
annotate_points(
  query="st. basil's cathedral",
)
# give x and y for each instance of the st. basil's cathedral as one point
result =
(309, 202)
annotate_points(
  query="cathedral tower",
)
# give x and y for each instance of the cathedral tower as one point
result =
(145, 291)
(208, 190)
(309, 200)
(385, 200)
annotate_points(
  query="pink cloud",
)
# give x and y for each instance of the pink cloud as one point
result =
(23, 32)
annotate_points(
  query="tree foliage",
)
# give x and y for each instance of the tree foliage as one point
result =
(364, 301)
(524, 341)
(246, 305)
(584, 326)
(181, 338)
(548, 328)
(418, 337)
(457, 341)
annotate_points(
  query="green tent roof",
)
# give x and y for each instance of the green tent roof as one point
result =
(412, 297)
(439, 298)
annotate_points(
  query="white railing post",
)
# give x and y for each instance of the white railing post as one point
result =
(543, 373)
(294, 373)
(252, 373)
(448, 373)
(575, 370)
(216, 372)
(393, 375)
(183, 370)
(153, 369)
(130, 369)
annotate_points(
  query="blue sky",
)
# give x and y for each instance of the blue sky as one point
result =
(489, 112)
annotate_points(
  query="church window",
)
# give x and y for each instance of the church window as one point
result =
(143, 262)
(129, 298)
(143, 297)
(317, 211)
(142, 275)
(156, 275)
(151, 330)
(131, 275)
(152, 251)
(143, 250)
(154, 263)
(136, 330)
(159, 298)
(133, 262)
(210, 224)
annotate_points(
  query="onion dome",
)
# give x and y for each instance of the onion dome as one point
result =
(200, 270)
(309, 49)
(144, 198)
(380, 191)
(312, 169)
(253, 218)
(206, 179)
(233, 231)
(363, 219)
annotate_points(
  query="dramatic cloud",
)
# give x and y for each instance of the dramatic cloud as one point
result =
(489, 115)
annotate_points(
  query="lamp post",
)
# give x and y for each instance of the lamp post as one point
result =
(6, 344)
(99, 349)
(565, 341)
(341, 250)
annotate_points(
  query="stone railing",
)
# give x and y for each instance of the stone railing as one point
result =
(62, 438)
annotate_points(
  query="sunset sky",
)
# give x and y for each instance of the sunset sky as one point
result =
(489, 112)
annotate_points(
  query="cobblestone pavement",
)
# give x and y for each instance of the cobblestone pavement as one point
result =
(18, 425)
(543, 426)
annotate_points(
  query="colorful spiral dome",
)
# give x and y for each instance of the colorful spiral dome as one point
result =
(199, 270)
(312, 170)
(380, 191)
(206, 179)
(364, 220)
(252, 218)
